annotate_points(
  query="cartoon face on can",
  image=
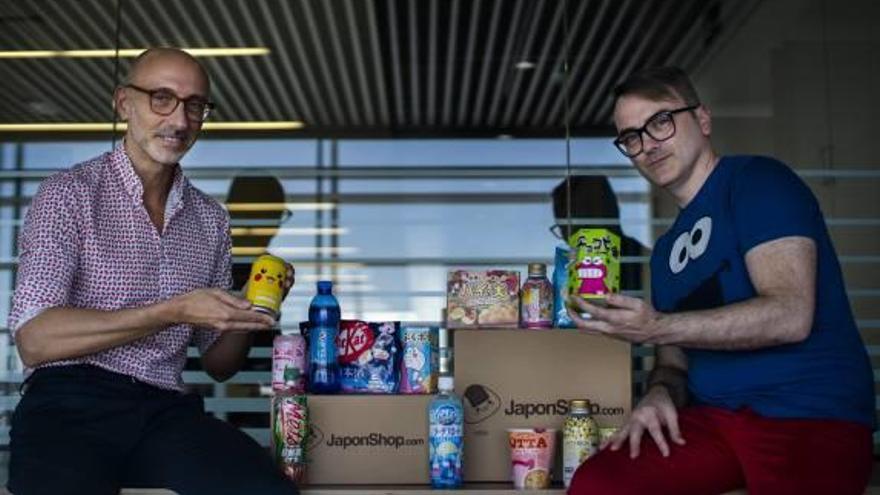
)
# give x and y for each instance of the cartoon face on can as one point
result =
(266, 284)
(595, 270)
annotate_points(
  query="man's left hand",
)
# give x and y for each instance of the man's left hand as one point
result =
(626, 318)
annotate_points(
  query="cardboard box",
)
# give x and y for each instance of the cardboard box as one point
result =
(368, 439)
(524, 378)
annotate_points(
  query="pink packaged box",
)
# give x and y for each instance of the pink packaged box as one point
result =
(482, 299)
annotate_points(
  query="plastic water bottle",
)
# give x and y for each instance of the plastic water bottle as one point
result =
(445, 436)
(324, 315)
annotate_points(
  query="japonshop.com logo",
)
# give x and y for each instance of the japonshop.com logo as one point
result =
(558, 408)
(481, 403)
(373, 440)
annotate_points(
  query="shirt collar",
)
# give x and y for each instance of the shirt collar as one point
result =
(122, 166)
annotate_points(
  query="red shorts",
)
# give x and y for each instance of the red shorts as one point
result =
(726, 450)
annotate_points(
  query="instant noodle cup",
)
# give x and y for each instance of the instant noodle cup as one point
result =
(531, 457)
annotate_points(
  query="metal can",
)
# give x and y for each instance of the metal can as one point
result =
(290, 432)
(289, 364)
(595, 271)
(580, 438)
(266, 284)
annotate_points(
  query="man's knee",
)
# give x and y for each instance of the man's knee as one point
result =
(600, 477)
(37, 483)
(236, 484)
(270, 485)
(285, 487)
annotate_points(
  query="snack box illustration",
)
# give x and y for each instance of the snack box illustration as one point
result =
(482, 298)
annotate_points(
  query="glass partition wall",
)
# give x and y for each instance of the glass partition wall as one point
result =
(410, 137)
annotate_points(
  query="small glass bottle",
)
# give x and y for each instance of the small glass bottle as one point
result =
(580, 438)
(536, 298)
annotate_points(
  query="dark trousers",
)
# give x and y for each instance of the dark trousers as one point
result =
(81, 429)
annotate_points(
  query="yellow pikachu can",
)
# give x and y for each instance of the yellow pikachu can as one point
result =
(266, 284)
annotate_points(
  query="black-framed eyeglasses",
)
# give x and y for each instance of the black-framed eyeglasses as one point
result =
(285, 215)
(661, 126)
(164, 102)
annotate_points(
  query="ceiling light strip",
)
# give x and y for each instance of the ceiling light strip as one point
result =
(251, 207)
(289, 250)
(287, 231)
(280, 125)
(134, 52)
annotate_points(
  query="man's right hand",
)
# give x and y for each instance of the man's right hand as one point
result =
(653, 413)
(217, 309)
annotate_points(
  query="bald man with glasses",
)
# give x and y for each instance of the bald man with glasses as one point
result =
(123, 264)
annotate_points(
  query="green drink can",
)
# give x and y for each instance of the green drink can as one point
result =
(594, 272)
(290, 433)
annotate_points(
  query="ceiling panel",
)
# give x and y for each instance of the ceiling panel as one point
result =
(369, 67)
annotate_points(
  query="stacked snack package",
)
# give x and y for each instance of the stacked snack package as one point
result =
(290, 414)
(369, 357)
(418, 368)
(482, 299)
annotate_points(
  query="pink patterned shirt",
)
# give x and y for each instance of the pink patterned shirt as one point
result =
(88, 242)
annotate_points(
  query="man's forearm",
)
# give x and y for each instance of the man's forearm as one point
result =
(674, 380)
(227, 355)
(759, 322)
(65, 333)
(670, 372)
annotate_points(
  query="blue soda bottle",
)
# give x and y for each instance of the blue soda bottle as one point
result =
(324, 318)
(445, 436)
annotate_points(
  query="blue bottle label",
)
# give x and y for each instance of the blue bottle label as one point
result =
(446, 433)
(321, 352)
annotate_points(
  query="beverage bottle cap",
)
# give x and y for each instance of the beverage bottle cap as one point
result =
(580, 406)
(443, 338)
(537, 270)
(446, 383)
